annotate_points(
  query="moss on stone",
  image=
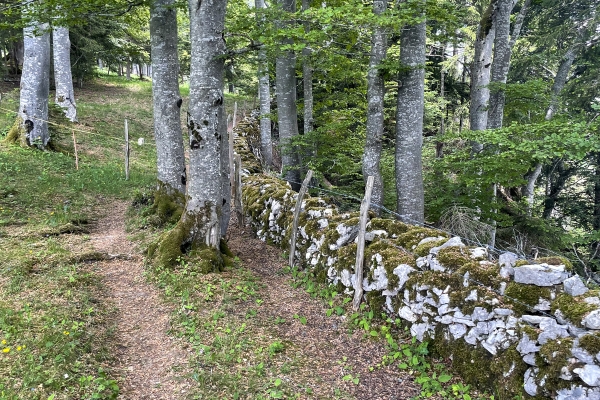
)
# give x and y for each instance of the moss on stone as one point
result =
(520, 263)
(423, 249)
(206, 260)
(574, 308)
(552, 357)
(437, 279)
(485, 274)
(414, 235)
(391, 258)
(453, 257)
(524, 297)
(556, 261)
(168, 205)
(393, 227)
(590, 343)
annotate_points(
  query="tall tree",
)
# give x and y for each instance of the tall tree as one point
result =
(287, 112)
(266, 145)
(307, 77)
(375, 113)
(63, 78)
(409, 123)
(481, 71)
(199, 228)
(166, 97)
(35, 86)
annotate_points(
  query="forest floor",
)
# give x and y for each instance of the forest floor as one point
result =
(303, 353)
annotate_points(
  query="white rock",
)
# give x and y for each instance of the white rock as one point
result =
(527, 345)
(454, 242)
(430, 239)
(529, 382)
(565, 374)
(503, 312)
(472, 296)
(422, 263)
(444, 298)
(540, 275)
(529, 359)
(595, 301)
(323, 223)
(590, 374)
(489, 347)
(407, 314)
(140, 141)
(478, 252)
(577, 393)
(419, 330)
(574, 286)
(346, 278)
(402, 271)
(592, 320)
(507, 259)
(457, 330)
(481, 314)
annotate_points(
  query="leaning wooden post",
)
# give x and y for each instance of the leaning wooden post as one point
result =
(75, 149)
(237, 199)
(301, 194)
(234, 115)
(360, 248)
(231, 161)
(126, 151)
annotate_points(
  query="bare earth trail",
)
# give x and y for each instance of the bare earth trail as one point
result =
(151, 363)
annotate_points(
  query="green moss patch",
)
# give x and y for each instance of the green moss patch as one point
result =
(524, 297)
(590, 343)
(574, 308)
(453, 257)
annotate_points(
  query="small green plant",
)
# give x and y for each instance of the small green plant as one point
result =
(351, 378)
(301, 318)
(276, 347)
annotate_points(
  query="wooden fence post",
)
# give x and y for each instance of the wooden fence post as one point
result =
(231, 161)
(126, 151)
(237, 198)
(294, 232)
(234, 115)
(360, 248)
(75, 149)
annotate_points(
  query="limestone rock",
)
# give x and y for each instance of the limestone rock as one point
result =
(454, 242)
(540, 275)
(590, 374)
(592, 320)
(529, 382)
(574, 286)
(508, 259)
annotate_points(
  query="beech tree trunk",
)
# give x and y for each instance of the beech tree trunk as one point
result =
(266, 144)
(166, 97)
(307, 78)
(63, 79)
(287, 113)
(375, 115)
(480, 73)
(560, 80)
(206, 122)
(501, 63)
(35, 85)
(409, 125)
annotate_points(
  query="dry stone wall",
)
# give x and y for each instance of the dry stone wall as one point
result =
(512, 326)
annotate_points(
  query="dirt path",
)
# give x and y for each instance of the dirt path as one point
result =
(332, 352)
(152, 365)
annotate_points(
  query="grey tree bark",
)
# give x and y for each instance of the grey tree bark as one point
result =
(63, 79)
(560, 80)
(375, 115)
(480, 73)
(35, 86)
(501, 63)
(264, 95)
(287, 112)
(409, 125)
(307, 78)
(166, 97)
(206, 125)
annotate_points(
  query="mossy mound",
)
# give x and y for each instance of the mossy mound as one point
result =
(453, 257)
(423, 249)
(552, 357)
(393, 227)
(590, 343)
(524, 297)
(411, 238)
(16, 134)
(482, 273)
(574, 308)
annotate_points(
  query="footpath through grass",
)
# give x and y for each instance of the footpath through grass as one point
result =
(54, 334)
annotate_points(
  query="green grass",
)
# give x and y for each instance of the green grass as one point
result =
(55, 335)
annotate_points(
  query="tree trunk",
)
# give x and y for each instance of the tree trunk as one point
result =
(33, 106)
(166, 97)
(409, 125)
(307, 78)
(375, 114)
(560, 80)
(501, 63)
(596, 219)
(264, 95)
(287, 113)
(63, 79)
(128, 70)
(480, 73)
